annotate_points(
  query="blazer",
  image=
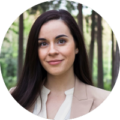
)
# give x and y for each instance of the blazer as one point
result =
(85, 99)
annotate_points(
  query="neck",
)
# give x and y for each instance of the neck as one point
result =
(60, 83)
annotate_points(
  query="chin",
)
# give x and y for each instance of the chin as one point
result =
(56, 73)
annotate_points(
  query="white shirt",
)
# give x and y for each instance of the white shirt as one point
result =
(64, 110)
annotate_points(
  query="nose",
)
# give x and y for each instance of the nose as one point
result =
(53, 50)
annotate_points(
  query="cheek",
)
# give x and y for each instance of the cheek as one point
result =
(41, 55)
(70, 48)
(69, 51)
(71, 55)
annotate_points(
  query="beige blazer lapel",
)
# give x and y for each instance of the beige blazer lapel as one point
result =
(81, 104)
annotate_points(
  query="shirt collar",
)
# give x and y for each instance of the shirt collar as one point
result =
(45, 91)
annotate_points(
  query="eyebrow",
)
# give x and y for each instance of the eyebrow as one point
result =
(55, 37)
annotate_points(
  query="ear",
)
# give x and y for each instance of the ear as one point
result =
(76, 51)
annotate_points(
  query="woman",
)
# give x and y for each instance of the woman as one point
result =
(56, 81)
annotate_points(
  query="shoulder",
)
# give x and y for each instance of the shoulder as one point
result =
(11, 89)
(97, 94)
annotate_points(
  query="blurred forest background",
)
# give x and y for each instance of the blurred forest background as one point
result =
(101, 45)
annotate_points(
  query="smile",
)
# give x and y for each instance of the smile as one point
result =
(55, 62)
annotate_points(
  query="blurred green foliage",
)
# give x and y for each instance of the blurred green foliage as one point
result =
(8, 56)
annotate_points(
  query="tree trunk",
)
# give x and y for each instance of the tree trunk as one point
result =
(20, 44)
(116, 65)
(91, 53)
(80, 18)
(100, 54)
(113, 59)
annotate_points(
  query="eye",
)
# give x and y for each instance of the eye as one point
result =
(42, 44)
(62, 40)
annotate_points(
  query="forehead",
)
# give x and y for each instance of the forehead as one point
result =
(54, 28)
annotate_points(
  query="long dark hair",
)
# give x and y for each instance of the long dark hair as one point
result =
(33, 74)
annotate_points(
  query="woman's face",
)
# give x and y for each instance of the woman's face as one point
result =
(56, 49)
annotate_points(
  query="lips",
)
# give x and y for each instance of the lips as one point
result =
(54, 60)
